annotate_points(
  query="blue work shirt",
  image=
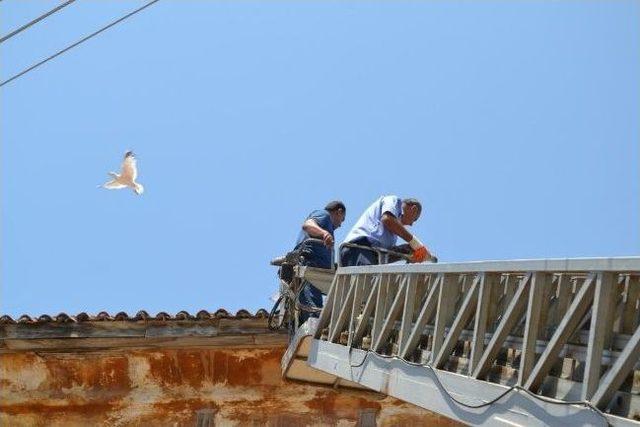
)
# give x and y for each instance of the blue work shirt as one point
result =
(317, 254)
(370, 225)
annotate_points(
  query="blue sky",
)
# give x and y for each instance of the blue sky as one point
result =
(516, 123)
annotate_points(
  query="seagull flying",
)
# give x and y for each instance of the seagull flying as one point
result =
(127, 177)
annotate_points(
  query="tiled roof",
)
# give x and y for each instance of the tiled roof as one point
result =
(140, 316)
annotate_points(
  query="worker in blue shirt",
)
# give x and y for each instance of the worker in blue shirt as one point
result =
(379, 226)
(320, 224)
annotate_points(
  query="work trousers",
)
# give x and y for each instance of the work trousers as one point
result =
(357, 256)
(310, 296)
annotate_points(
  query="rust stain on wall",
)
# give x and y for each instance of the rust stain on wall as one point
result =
(167, 387)
(46, 410)
(344, 405)
(193, 367)
(96, 373)
(402, 420)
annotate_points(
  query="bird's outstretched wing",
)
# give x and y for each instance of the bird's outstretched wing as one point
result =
(129, 167)
(113, 185)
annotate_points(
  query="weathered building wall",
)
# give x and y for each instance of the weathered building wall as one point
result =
(178, 384)
(168, 387)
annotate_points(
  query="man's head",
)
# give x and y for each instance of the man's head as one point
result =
(411, 210)
(337, 212)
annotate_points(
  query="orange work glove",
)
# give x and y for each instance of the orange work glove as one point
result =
(420, 254)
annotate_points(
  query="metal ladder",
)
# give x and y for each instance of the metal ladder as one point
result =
(530, 342)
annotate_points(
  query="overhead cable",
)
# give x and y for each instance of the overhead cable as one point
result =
(35, 21)
(82, 40)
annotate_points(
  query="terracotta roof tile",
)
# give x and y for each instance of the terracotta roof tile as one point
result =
(6, 320)
(141, 315)
(63, 318)
(262, 314)
(82, 317)
(121, 316)
(203, 315)
(102, 316)
(163, 316)
(183, 315)
(25, 319)
(243, 314)
(221, 312)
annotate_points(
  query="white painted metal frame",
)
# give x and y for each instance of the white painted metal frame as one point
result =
(426, 313)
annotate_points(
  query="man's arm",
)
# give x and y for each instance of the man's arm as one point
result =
(394, 225)
(312, 228)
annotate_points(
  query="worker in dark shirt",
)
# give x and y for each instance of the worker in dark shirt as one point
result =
(320, 224)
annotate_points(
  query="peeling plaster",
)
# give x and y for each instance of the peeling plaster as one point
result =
(166, 387)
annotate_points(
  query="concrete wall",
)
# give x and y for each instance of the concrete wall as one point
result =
(182, 387)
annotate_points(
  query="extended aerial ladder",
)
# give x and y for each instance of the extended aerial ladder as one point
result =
(531, 342)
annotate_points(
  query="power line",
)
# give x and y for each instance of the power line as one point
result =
(35, 21)
(82, 40)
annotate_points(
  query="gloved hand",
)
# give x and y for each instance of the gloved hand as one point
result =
(420, 252)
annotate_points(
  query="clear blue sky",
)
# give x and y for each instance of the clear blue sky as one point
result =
(516, 123)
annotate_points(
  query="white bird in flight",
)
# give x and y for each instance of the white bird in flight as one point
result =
(127, 177)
